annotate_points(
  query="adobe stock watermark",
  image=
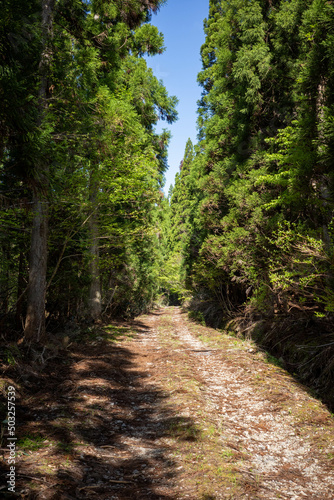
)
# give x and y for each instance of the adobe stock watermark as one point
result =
(11, 438)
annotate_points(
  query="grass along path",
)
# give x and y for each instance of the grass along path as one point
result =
(164, 408)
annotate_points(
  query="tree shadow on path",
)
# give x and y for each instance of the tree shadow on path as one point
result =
(93, 425)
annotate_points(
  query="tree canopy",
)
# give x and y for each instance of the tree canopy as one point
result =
(81, 166)
(256, 209)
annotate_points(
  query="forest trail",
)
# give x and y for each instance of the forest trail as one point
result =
(164, 408)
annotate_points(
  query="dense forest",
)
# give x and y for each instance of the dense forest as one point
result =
(245, 237)
(251, 242)
(81, 165)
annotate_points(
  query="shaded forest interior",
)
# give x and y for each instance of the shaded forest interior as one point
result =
(245, 238)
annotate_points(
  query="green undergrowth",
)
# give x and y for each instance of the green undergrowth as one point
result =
(35, 442)
(109, 333)
(197, 316)
(32, 442)
(10, 354)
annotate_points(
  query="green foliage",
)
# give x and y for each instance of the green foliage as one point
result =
(89, 147)
(31, 442)
(177, 227)
(148, 40)
(197, 316)
(259, 235)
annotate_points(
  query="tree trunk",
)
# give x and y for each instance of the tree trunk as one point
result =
(95, 302)
(34, 330)
(20, 292)
(95, 286)
(6, 288)
(35, 319)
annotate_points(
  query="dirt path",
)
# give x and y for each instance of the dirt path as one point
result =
(164, 408)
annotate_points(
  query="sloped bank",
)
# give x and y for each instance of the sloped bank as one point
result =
(305, 347)
(302, 345)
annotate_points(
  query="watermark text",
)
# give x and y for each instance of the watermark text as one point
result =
(11, 438)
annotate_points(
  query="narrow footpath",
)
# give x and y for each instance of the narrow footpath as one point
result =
(164, 408)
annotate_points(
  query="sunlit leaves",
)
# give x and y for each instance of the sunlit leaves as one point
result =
(264, 156)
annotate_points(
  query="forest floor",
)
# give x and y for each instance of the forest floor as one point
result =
(165, 408)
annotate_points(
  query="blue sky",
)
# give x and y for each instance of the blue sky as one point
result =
(181, 22)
